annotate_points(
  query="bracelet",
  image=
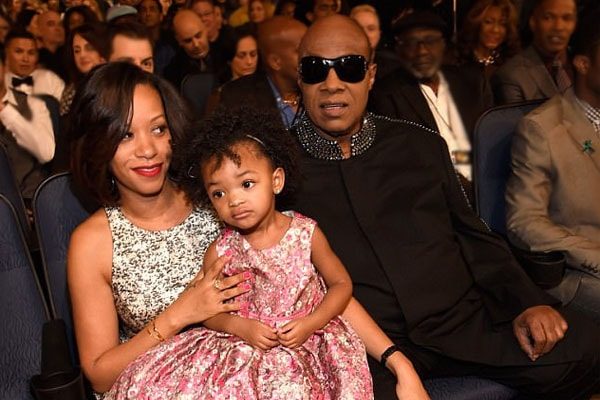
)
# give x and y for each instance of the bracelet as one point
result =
(154, 332)
(387, 353)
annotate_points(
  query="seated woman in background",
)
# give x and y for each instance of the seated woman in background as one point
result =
(489, 35)
(134, 265)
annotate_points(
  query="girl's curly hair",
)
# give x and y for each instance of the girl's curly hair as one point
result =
(215, 138)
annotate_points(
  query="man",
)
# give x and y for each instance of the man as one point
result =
(552, 195)
(27, 134)
(308, 11)
(277, 87)
(51, 35)
(446, 99)
(445, 289)
(130, 42)
(192, 55)
(542, 69)
(22, 72)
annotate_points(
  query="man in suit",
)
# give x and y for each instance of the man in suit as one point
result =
(276, 87)
(445, 99)
(444, 288)
(542, 69)
(130, 42)
(552, 194)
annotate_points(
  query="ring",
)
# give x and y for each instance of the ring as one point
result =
(217, 284)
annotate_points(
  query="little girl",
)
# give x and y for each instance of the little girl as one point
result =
(288, 341)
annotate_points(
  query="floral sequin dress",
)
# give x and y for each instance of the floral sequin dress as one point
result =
(205, 364)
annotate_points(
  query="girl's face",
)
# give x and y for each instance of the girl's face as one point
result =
(245, 59)
(243, 195)
(370, 24)
(257, 12)
(85, 55)
(142, 159)
(492, 30)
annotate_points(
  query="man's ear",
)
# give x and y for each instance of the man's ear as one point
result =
(278, 180)
(273, 61)
(372, 71)
(310, 16)
(581, 64)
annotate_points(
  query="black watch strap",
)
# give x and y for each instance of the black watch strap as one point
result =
(387, 353)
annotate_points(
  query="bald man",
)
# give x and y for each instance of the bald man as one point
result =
(275, 88)
(192, 57)
(446, 291)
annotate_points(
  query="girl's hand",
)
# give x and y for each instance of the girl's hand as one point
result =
(206, 294)
(257, 334)
(296, 332)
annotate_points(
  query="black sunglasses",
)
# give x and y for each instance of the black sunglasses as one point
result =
(351, 69)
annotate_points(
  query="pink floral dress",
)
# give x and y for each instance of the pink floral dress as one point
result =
(204, 364)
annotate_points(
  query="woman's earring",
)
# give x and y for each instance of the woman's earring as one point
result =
(277, 191)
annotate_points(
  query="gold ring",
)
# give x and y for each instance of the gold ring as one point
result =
(217, 284)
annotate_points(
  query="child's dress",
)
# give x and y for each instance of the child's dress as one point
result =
(204, 364)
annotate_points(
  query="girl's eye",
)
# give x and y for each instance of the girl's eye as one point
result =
(247, 184)
(217, 194)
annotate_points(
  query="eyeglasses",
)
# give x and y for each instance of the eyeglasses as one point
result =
(412, 44)
(351, 69)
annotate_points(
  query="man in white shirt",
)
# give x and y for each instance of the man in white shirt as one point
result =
(22, 72)
(27, 134)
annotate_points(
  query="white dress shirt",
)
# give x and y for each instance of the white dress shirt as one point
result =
(44, 82)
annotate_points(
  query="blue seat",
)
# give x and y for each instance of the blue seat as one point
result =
(197, 88)
(23, 311)
(492, 141)
(57, 212)
(10, 189)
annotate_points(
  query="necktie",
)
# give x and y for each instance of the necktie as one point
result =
(561, 78)
(22, 105)
(16, 81)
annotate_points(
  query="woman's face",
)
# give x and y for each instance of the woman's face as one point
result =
(257, 12)
(370, 24)
(245, 59)
(492, 31)
(85, 55)
(143, 156)
(75, 19)
(4, 28)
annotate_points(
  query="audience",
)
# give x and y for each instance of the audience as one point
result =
(542, 69)
(5, 25)
(22, 72)
(308, 11)
(150, 14)
(446, 290)
(130, 42)
(244, 60)
(76, 16)
(489, 35)
(552, 195)
(275, 88)
(285, 8)
(51, 35)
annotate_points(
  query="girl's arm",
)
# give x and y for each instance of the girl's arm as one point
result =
(409, 385)
(89, 267)
(339, 291)
(252, 331)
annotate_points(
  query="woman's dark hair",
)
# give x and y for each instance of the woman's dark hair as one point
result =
(216, 137)
(469, 35)
(89, 16)
(101, 116)
(95, 34)
(230, 48)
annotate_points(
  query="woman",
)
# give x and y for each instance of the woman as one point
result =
(133, 266)
(86, 47)
(489, 35)
(259, 10)
(77, 16)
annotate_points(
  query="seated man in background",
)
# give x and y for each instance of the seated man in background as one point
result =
(553, 193)
(542, 69)
(444, 288)
(130, 42)
(27, 135)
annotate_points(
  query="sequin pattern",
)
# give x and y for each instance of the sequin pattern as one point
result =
(204, 364)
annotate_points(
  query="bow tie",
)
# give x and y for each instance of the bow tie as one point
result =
(16, 82)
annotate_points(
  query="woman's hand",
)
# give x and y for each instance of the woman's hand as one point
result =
(207, 293)
(408, 383)
(296, 332)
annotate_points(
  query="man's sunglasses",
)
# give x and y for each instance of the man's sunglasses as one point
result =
(351, 69)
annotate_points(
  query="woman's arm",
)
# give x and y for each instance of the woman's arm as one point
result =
(339, 291)
(89, 266)
(409, 385)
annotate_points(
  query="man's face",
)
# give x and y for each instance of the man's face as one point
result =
(421, 51)
(191, 35)
(206, 12)
(134, 51)
(335, 106)
(288, 54)
(324, 8)
(50, 28)
(149, 13)
(21, 56)
(552, 25)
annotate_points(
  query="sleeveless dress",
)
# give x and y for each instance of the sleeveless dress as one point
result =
(205, 364)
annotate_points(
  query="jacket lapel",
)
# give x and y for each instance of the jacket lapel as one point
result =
(538, 72)
(580, 129)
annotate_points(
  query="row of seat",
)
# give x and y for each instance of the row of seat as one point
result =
(57, 211)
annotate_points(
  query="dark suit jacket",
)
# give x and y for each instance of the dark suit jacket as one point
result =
(396, 211)
(399, 96)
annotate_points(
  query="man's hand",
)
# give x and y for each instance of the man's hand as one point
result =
(257, 334)
(538, 329)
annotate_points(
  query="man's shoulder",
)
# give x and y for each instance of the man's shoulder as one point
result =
(549, 113)
(394, 80)
(526, 58)
(402, 129)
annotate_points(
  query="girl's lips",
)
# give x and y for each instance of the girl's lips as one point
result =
(149, 171)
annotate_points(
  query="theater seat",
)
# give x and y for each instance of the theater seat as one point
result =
(467, 388)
